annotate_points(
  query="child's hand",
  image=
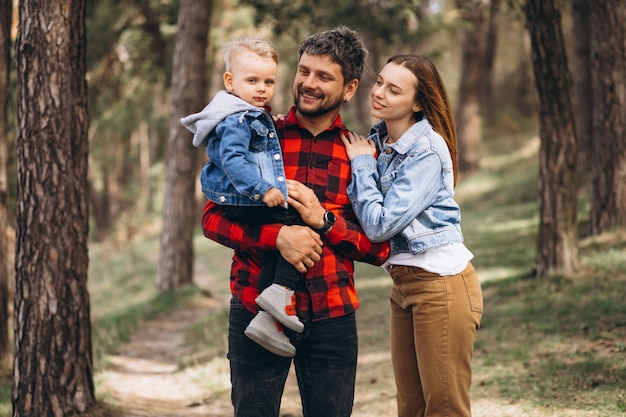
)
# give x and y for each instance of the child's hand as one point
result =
(280, 117)
(273, 197)
(358, 145)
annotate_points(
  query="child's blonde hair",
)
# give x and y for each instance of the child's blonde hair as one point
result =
(261, 47)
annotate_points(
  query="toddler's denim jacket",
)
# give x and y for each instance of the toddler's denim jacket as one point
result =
(244, 155)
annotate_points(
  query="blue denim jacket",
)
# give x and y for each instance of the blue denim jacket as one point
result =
(245, 158)
(414, 207)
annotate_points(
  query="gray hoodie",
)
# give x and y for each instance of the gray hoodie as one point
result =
(223, 105)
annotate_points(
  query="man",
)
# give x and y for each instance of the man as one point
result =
(329, 68)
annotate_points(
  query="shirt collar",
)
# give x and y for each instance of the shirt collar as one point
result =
(291, 120)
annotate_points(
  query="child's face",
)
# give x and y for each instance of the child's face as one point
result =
(252, 78)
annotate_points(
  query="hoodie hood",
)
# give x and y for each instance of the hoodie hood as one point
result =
(203, 123)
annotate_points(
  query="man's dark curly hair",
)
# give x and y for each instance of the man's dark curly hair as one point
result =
(344, 47)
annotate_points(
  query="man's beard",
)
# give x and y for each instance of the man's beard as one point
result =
(324, 107)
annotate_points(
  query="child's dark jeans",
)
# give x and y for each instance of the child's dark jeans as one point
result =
(274, 268)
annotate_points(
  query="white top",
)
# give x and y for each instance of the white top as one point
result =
(444, 260)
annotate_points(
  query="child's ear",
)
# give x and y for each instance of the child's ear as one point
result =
(228, 80)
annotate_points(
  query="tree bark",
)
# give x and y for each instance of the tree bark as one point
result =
(6, 9)
(608, 75)
(557, 246)
(468, 112)
(53, 371)
(583, 104)
(188, 95)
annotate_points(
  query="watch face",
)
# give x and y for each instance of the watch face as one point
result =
(330, 217)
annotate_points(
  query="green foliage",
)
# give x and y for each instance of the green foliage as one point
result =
(391, 22)
(5, 397)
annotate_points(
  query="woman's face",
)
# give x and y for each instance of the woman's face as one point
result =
(393, 94)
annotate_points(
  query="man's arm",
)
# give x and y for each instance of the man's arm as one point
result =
(299, 245)
(347, 238)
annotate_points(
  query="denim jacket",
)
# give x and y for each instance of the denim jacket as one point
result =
(414, 207)
(245, 158)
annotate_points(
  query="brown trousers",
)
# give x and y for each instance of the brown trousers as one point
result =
(434, 320)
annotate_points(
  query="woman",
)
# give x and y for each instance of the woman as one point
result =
(406, 196)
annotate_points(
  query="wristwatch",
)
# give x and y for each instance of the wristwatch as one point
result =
(329, 221)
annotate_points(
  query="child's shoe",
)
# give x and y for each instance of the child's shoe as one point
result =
(267, 332)
(280, 302)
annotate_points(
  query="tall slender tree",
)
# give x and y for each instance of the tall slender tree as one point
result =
(188, 95)
(53, 371)
(6, 8)
(583, 103)
(468, 111)
(489, 58)
(557, 244)
(608, 79)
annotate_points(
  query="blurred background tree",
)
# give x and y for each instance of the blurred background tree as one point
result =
(6, 11)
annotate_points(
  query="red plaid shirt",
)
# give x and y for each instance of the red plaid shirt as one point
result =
(320, 163)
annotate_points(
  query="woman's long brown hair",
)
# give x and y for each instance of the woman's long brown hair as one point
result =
(432, 97)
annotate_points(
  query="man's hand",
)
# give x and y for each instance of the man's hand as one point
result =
(300, 246)
(304, 200)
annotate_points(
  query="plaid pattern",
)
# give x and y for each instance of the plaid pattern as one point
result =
(320, 163)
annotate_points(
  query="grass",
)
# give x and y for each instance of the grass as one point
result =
(555, 343)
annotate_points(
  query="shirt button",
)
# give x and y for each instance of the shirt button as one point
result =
(397, 247)
(277, 157)
(388, 151)
(271, 134)
(256, 197)
(222, 199)
(280, 178)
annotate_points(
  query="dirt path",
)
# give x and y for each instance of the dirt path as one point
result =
(145, 379)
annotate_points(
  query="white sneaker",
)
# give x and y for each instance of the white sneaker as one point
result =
(280, 302)
(266, 331)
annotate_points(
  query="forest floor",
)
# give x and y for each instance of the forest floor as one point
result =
(144, 378)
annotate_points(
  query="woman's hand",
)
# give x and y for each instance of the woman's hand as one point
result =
(358, 145)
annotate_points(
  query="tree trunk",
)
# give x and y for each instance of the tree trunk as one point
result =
(468, 113)
(583, 104)
(6, 8)
(53, 371)
(608, 74)
(557, 246)
(188, 95)
(489, 58)
(524, 95)
(362, 98)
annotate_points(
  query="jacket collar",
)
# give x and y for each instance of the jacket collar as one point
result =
(408, 138)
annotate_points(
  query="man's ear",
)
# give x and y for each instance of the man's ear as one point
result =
(349, 90)
(228, 80)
